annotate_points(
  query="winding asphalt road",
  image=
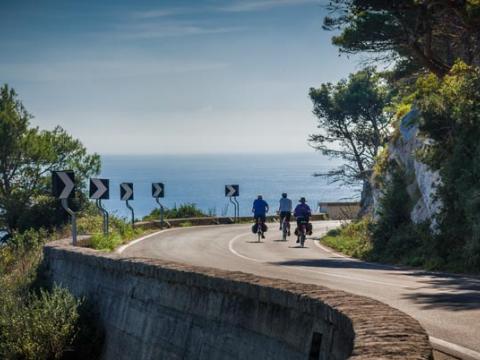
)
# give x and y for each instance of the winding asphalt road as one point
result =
(447, 306)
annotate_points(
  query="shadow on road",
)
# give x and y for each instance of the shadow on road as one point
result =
(432, 290)
(340, 263)
(451, 292)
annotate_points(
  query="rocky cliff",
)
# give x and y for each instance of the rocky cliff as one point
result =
(422, 181)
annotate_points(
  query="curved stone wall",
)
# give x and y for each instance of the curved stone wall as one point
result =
(151, 309)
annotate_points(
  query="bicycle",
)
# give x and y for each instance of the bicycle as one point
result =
(302, 232)
(260, 233)
(285, 228)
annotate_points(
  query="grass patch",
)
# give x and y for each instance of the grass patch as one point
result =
(184, 211)
(351, 239)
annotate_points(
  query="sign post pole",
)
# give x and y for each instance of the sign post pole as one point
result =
(232, 191)
(158, 191)
(234, 209)
(63, 188)
(100, 190)
(133, 213)
(237, 208)
(126, 194)
(161, 212)
(74, 220)
(105, 216)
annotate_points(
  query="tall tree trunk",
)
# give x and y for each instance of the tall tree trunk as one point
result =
(366, 199)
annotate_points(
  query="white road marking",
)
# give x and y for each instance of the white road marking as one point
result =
(235, 252)
(439, 344)
(353, 278)
(317, 244)
(445, 346)
(122, 248)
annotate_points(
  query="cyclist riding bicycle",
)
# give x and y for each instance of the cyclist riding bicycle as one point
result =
(302, 213)
(285, 210)
(260, 210)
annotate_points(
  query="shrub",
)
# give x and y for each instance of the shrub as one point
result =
(105, 242)
(450, 109)
(36, 323)
(352, 239)
(42, 326)
(184, 211)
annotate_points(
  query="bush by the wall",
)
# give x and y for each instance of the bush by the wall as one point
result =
(184, 211)
(35, 322)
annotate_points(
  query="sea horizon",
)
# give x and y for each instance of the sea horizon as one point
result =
(200, 179)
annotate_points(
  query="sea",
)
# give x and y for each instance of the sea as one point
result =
(200, 179)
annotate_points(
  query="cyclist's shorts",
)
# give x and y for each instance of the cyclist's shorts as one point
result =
(263, 218)
(285, 214)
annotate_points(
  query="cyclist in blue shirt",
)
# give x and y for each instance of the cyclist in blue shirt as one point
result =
(260, 210)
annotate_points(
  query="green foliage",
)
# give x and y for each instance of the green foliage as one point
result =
(353, 117)
(353, 122)
(120, 231)
(27, 155)
(184, 211)
(392, 238)
(418, 34)
(394, 208)
(38, 327)
(105, 242)
(19, 259)
(352, 239)
(450, 109)
(36, 323)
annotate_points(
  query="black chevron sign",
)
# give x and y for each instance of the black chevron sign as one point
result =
(63, 184)
(158, 190)
(126, 191)
(232, 190)
(99, 189)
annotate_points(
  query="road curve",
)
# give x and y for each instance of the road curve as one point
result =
(447, 306)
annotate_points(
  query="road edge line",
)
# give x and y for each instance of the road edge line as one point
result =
(122, 248)
(454, 349)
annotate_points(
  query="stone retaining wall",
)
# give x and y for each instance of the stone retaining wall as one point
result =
(152, 309)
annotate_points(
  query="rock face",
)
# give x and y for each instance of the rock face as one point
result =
(153, 309)
(423, 182)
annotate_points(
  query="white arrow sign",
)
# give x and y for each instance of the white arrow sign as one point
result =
(158, 190)
(101, 189)
(68, 185)
(128, 191)
(231, 190)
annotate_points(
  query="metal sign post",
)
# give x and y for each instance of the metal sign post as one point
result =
(63, 188)
(234, 209)
(232, 191)
(99, 189)
(74, 220)
(158, 191)
(237, 208)
(105, 216)
(161, 212)
(126, 194)
(132, 211)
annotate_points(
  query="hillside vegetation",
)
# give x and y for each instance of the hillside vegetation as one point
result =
(434, 132)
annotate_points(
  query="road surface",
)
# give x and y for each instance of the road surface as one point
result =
(447, 306)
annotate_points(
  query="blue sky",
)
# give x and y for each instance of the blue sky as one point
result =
(171, 76)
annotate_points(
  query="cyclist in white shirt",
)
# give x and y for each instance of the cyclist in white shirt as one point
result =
(285, 210)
